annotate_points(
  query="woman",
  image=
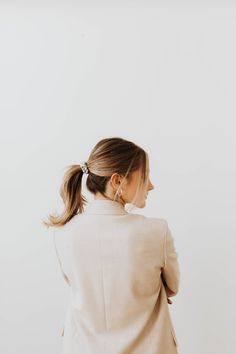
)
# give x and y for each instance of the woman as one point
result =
(122, 267)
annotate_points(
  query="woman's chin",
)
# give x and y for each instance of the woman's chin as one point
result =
(142, 204)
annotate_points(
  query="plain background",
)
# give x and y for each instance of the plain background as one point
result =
(159, 73)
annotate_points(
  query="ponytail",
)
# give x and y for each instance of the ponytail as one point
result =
(70, 192)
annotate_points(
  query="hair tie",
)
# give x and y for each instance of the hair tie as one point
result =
(84, 167)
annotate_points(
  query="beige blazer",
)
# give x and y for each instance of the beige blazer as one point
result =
(120, 267)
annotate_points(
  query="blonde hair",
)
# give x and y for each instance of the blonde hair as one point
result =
(108, 156)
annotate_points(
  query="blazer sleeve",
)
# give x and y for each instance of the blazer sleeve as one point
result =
(170, 273)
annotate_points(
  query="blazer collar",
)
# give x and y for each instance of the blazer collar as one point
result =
(105, 206)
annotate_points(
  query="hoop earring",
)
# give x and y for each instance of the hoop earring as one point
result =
(120, 193)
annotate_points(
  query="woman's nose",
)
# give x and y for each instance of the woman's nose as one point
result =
(151, 186)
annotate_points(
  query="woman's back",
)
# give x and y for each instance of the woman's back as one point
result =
(120, 267)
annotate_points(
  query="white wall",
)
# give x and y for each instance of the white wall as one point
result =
(159, 73)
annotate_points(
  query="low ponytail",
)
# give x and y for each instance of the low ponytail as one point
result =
(72, 197)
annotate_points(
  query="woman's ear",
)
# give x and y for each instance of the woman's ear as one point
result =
(115, 180)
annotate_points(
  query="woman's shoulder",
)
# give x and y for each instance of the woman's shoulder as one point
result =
(150, 222)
